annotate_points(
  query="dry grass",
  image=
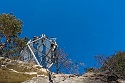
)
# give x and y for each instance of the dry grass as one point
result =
(6, 76)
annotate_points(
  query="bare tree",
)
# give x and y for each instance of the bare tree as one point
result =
(63, 64)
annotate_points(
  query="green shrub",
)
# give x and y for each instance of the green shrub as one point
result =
(115, 64)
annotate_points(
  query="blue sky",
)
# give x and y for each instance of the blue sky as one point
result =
(84, 28)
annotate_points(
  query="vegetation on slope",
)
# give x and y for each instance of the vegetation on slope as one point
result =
(14, 71)
(7, 76)
(112, 67)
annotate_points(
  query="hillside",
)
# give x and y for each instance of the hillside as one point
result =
(14, 71)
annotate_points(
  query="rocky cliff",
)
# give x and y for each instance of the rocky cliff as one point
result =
(15, 71)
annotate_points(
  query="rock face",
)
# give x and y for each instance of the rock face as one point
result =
(37, 80)
(89, 77)
(14, 71)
